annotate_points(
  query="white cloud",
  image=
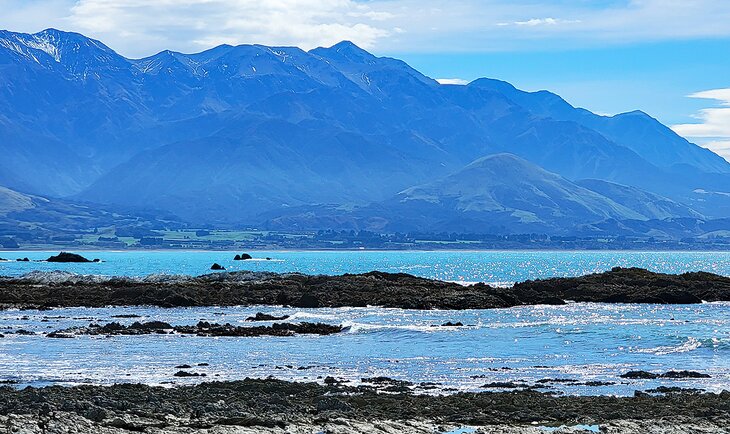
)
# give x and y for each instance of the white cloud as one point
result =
(458, 81)
(534, 22)
(142, 27)
(713, 128)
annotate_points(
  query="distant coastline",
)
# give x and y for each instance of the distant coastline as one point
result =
(251, 239)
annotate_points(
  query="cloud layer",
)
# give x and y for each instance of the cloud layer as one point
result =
(141, 27)
(713, 127)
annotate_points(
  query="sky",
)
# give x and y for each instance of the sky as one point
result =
(669, 58)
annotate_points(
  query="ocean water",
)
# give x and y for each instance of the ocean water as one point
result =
(583, 342)
(496, 267)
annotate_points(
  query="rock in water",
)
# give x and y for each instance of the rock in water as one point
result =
(242, 257)
(23, 260)
(217, 266)
(266, 317)
(640, 375)
(188, 374)
(452, 324)
(684, 374)
(67, 257)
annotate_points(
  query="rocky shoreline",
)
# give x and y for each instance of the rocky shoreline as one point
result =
(274, 406)
(202, 328)
(620, 285)
(374, 288)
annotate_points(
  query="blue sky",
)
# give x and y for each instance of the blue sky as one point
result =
(670, 58)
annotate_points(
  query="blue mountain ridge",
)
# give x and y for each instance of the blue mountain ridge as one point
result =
(247, 134)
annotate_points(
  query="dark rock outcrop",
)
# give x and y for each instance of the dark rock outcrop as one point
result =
(452, 324)
(247, 288)
(674, 375)
(188, 374)
(684, 374)
(275, 401)
(630, 285)
(266, 317)
(203, 328)
(67, 257)
(217, 266)
(242, 257)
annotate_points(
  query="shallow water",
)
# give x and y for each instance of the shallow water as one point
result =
(585, 342)
(502, 268)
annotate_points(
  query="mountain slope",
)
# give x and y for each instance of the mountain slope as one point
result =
(500, 193)
(235, 134)
(649, 205)
(635, 130)
(31, 217)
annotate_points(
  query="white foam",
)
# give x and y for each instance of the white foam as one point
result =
(690, 345)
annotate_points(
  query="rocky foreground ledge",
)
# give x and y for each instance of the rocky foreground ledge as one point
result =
(273, 406)
(620, 285)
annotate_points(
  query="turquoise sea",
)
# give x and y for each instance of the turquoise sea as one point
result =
(576, 343)
(496, 267)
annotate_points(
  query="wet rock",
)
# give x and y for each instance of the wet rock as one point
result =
(640, 375)
(242, 257)
(210, 406)
(674, 389)
(60, 335)
(452, 324)
(266, 317)
(178, 300)
(331, 380)
(249, 288)
(24, 332)
(596, 383)
(631, 285)
(188, 374)
(23, 260)
(330, 403)
(67, 257)
(503, 385)
(387, 384)
(217, 266)
(684, 374)
(203, 328)
(151, 325)
(183, 367)
(307, 301)
(674, 375)
(556, 380)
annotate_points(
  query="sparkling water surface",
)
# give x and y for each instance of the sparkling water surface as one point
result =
(583, 341)
(466, 266)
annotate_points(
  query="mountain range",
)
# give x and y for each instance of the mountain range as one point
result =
(331, 137)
